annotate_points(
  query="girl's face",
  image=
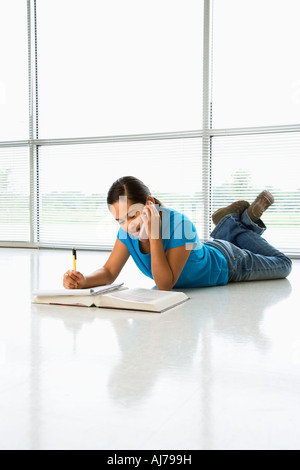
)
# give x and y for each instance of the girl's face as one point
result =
(128, 214)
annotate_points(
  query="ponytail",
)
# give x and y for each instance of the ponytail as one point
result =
(133, 188)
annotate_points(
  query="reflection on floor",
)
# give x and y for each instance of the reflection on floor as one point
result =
(219, 372)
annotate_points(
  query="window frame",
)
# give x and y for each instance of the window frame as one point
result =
(206, 133)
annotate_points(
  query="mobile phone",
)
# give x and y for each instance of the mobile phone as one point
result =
(143, 233)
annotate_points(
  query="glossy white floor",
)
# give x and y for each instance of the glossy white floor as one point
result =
(219, 372)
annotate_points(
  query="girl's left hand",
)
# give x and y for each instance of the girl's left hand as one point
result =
(152, 220)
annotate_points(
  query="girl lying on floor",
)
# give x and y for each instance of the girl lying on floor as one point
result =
(165, 245)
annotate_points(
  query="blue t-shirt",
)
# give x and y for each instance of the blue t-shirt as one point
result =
(206, 265)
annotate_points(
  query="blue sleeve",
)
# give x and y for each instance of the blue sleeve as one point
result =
(123, 236)
(183, 232)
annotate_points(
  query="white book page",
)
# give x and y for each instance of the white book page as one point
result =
(142, 295)
(76, 292)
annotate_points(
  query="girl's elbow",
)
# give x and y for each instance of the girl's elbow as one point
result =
(165, 286)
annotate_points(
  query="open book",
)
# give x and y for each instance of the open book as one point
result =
(78, 292)
(125, 299)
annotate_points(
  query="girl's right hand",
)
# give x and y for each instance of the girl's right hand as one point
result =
(74, 280)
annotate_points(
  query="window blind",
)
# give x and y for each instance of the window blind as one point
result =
(256, 73)
(119, 67)
(14, 194)
(243, 166)
(75, 179)
(136, 67)
(13, 71)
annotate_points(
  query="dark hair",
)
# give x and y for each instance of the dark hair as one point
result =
(133, 188)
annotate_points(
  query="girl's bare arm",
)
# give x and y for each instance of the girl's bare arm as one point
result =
(105, 275)
(166, 267)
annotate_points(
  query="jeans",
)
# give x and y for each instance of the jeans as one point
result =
(249, 256)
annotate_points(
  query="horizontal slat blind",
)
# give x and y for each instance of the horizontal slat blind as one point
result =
(74, 181)
(119, 67)
(131, 72)
(13, 70)
(256, 73)
(245, 165)
(14, 194)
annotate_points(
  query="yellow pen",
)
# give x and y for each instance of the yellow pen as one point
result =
(74, 262)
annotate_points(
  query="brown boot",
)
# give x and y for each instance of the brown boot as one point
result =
(237, 207)
(260, 205)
